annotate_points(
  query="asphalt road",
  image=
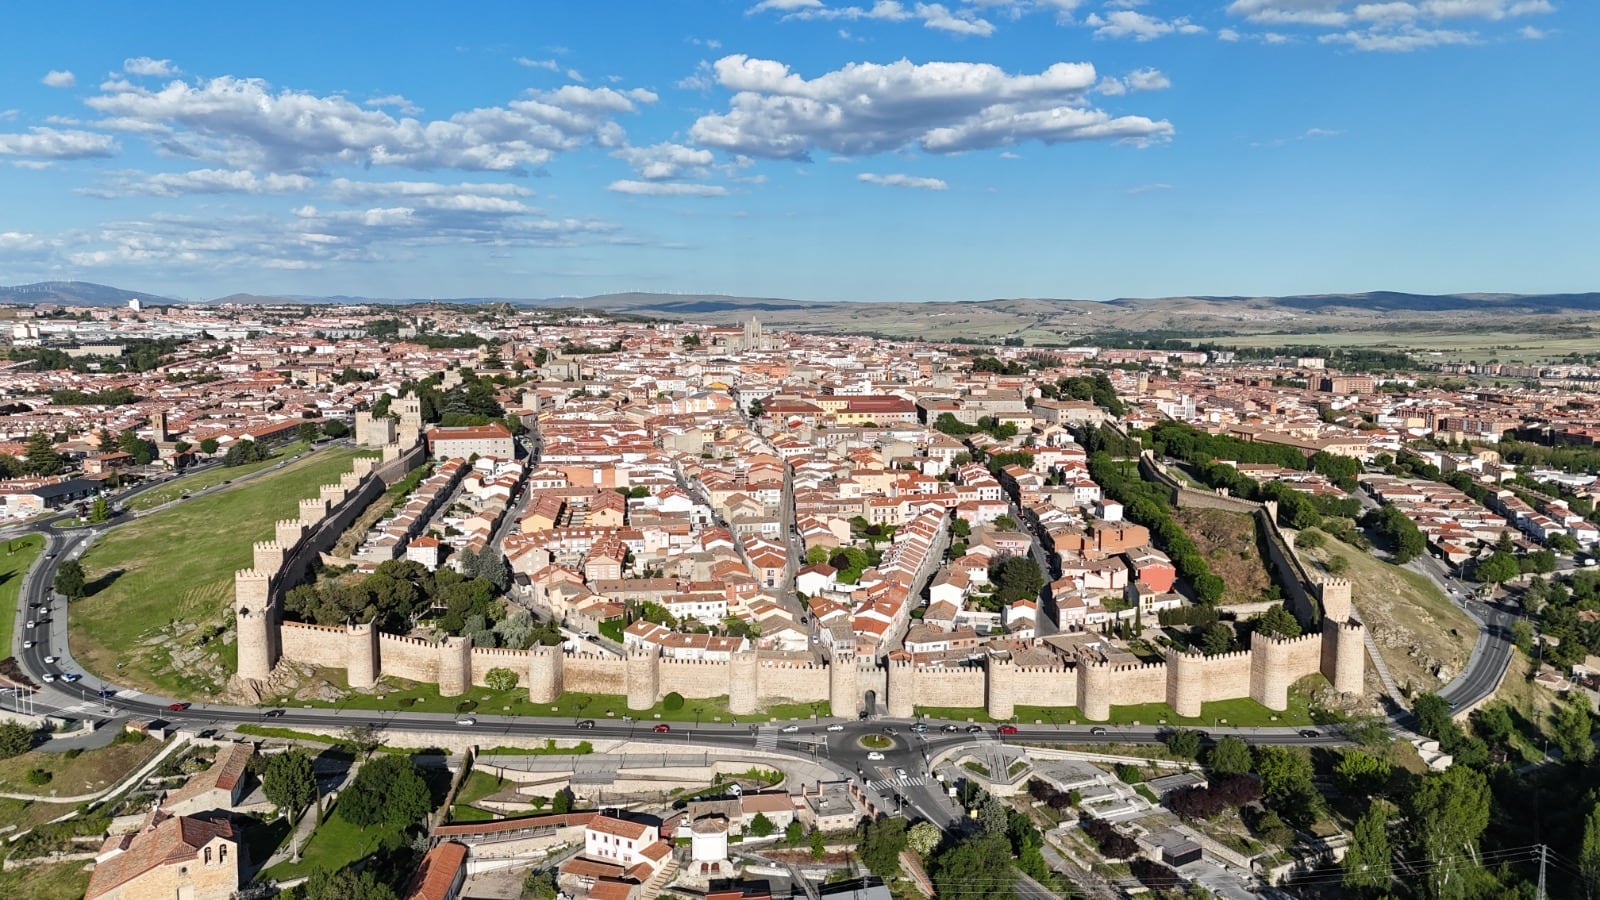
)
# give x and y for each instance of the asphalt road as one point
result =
(1494, 648)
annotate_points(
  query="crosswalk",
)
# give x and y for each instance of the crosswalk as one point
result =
(766, 740)
(883, 784)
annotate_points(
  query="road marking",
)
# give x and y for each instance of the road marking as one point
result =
(881, 784)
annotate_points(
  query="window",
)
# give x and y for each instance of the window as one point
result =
(208, 856)
(222, 853)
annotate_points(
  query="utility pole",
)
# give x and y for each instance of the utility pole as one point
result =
(1543, 850)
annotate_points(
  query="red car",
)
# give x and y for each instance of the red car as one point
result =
(1007, 729)
(178, 707)
(662, 727)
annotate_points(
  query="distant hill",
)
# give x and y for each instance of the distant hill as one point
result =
(76, 293)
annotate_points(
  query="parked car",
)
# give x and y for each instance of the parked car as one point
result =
(466, 720)
(586, 723)
(662, 728)
(790, 729)
(1097, 731)
(875, 756)
(836, 727)
(1007, 729)
(177, 707)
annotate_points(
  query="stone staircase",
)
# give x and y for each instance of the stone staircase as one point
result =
(664, 875)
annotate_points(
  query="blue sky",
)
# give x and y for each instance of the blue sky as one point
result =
(821, 149)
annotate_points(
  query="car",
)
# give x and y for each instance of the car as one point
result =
(49, 660)
(274, 713)
(70, 676)
(1310, 733)
(920, 728)
(27, 645)
(32, 623)
(1097, 731)
(48, 677)
(974, 729)
(790, 729)
(1007, 729)
(875, 756)
(663, 728)
(177, 707)
(889, 729)
(466, 720)
(949, 729)
(836, 727)
(586, 723)
(899, 772)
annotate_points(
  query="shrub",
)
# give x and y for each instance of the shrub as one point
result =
(672, 702)
(1113, 844)
(39, 776)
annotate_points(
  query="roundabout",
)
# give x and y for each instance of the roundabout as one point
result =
(875, 741)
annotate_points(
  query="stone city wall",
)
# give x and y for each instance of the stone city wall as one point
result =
(781, 681)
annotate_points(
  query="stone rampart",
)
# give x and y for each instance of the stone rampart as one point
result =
(593, 674)
(1298, 587)
(780, 682)
(486, 658)
(319, 645)
(413, 659)
(693, 678)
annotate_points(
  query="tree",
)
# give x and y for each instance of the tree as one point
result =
(1278, 622)
(104, 442)
(209, 446)
(1589, 855)
(15, 739)
(1016, 578)
(881, 841)
(672, 702)
(1338, 565)
(1572, 728)
(1497, 569)
(923, 837)
(1433, 715)
(816, 555)
(500, 679)
(345, 884)
(1184, 742)
(1286, 781)
(1230, 756)
(793, 832)
(335, 429)
(289, 782)
(1493, 723)
(1448, 812)
(1217, 638)
(388, 791)
(540, 885)
(41, 457)
(761, 826)
(308, 431)
(70, 581)
(973, 867)
(561, 803)
(1367, 863)
(819, 846)
(99, 511)
(1360, 774)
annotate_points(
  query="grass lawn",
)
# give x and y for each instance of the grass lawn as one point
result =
(333, 846)
(417, 697)
(58, 881)
(27, 813)
(162, 586)
(89, 771)
(1240, 713)
(1403, 610)
(20, 554)
(199, 481)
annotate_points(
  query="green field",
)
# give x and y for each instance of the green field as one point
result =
(1241, 713)
(199, 481)
(1505, 346)
(161, 586)
(56, 881)
(424, 698)
(334, 845)
(20, 554)
(89, 771)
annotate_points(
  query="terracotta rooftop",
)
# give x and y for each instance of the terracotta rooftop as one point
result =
(437, 873)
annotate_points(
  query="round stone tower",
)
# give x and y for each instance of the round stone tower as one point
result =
(1270, 676)
(644, 678)
(1185, 682)
(902, 700)
(546, 672)
(744, 673)
(257, 623)
(455, 666)
(361, 655)
(1344, 655)
(1094, 689)
(844, 692)
(1002, 686)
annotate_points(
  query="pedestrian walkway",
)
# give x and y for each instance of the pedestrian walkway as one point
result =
(884, 784)
(767, 739)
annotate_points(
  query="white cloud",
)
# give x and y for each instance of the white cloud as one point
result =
(1147, 188)
(1147, 80)
(1007, 154)
(1532, 33)
(203, 181)
(904, 181)
(784, 5)
(51, 143)
(59, 78)
(1131, 23)
(246, 124)
(144, 65)
(666, 160)
(549, 64)
(395, 101)
(935, 15)
(1384, 25)
(964, 19)
(942, 107)
(1228, 34)
(1111, 87)
(666, 189)
(701, 79)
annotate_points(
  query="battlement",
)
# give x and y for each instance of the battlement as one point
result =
(1043, 670)
(266, 545)
(1139, 667)
(307, 626)
(1236, 654)
(503, 652)
(405, 639)
(786, 666)
(252, 574)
